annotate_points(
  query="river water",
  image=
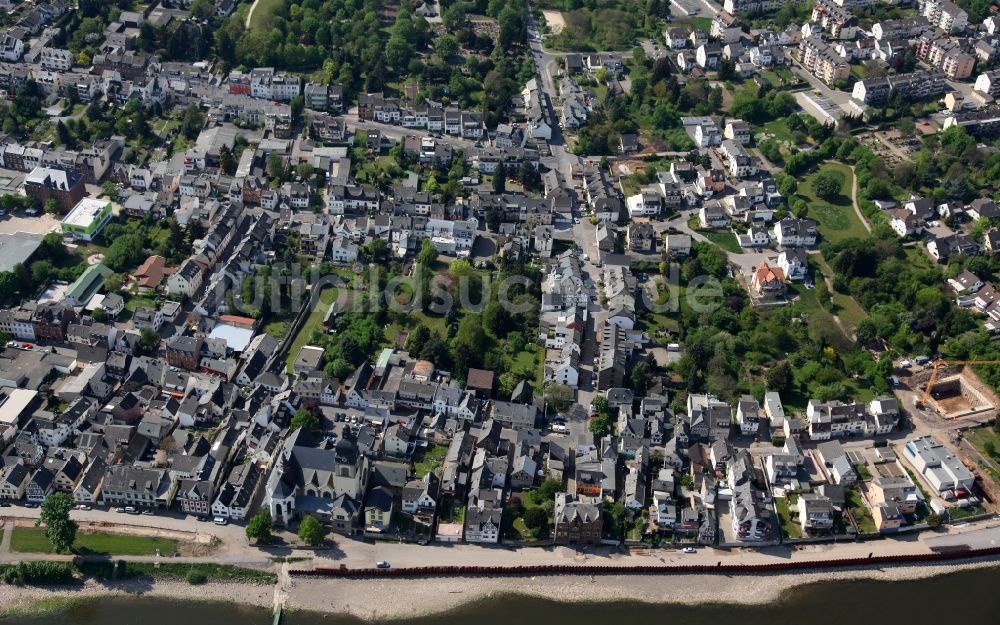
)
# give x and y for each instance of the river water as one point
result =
(968, 597)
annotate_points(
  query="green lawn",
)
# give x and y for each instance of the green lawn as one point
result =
(957, 514)
(779, 129)
(262, 14)
(702, 23)
(32, 540)
(431, 460)
(862, 516)
(782, 77)
(524, 360)
(726, 240)
(819, 319)
(530, 499)
(789, 526)
(434, 323)
(277, 329)
(836, 218)
(313, 322)
(138, 302)
(979, 438)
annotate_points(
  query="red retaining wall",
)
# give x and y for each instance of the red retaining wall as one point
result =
(645, 569)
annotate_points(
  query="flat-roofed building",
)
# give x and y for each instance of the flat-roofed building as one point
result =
(87, 218)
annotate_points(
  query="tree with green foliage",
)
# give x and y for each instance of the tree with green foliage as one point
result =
(192, 122)
(259, 526)
(600, 404)
(558, 396)
(149, 342)
(276, 167)
(469, 344)
(52, 206)
(306, 420)
(827, 184)
(59, 528)
(125, 253)
(536, 519)
(227, 162)
(311, 531)
(500, 179)
(549, 487)
(203, 9)
(600, 425)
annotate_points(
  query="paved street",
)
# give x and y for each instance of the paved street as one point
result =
(546, 65)
(355, 553)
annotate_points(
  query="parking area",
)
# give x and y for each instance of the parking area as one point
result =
(40, 224)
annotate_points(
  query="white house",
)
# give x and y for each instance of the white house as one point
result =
(793, 262)
(186, 280)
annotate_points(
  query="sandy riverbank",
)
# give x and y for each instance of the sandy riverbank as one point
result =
(27, 598)
(366, 599)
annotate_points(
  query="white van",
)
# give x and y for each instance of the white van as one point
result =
(220, 520)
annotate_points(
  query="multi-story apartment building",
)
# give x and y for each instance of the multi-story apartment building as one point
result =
(823, 61)
(951, 56)
(839, 22)
(56, 59)
(945, 15)
(917, 85)
(735, 7)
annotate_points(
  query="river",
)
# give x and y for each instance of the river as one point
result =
(971, 597)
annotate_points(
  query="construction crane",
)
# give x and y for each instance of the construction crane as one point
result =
(937, 364)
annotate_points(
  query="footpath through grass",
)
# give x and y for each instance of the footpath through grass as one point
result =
(263, 13)
(33, 540)
(844, 306)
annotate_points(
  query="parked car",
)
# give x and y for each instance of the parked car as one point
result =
(131, 510)
(381, 564)
(148, 512)
(220, 520)
(83, 506)
(689, 550)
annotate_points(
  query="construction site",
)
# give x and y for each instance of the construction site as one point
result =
(954, 391)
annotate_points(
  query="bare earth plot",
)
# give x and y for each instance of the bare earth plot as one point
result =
(555, 21)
